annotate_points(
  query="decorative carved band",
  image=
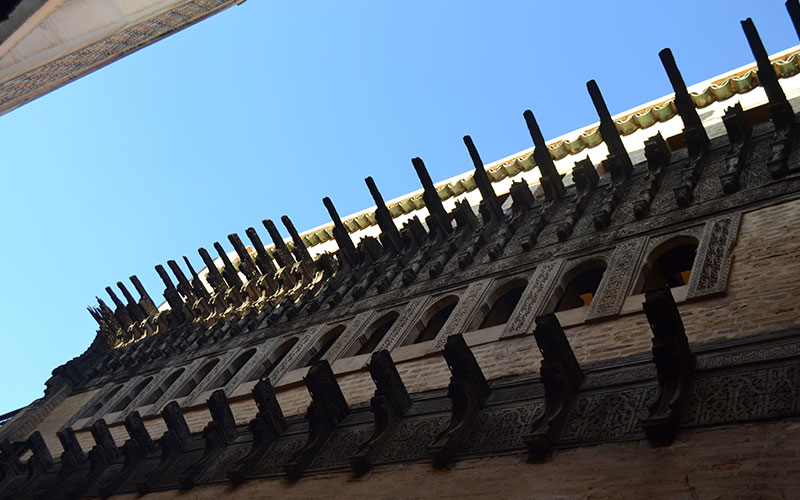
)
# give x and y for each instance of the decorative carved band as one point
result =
(616, 280)
(351, 332)
(714, 255)
(533, 298)
(403, 323)
(463, 312)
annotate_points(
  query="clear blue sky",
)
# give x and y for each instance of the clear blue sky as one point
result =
(269, 106)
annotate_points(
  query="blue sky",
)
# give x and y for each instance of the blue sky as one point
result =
(267, 107)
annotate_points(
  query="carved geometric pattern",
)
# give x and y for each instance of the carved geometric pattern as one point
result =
(351, 332)
(617, 278)
(608, 415)
(280, 453)
(225, 462)
(462, 313)
(400, 327)
(499, 429)
(412, 438)
(755, 394)
(342, 444)
(714, 255)
(534, 298)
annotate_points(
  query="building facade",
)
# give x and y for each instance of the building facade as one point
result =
(538, 328)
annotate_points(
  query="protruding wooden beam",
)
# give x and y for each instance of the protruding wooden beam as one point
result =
(229, 272)
(246, 264)
(389, 232)
(145, 301)
(619, 162)
(215, 278)
(341, 235)
(683, 101)
(263, 259)
(780, 111)
(431, 198)
(739, 130)
(282, 254)
(793, 6)
(488, 196)
(171, 293)
(551, 181)
(184, 287)
(300, 251)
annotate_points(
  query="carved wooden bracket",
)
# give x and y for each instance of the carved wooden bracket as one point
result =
(468, 391)
(136, 450)
(675, 365)
(266, 427)
(389, 404)
(739, 130)
(174, 443)
(328, 407)
(562, 377)
(104, 453)
(218, 434)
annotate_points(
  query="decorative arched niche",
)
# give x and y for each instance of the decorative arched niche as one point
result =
(322, 345)
(578, 285)
(668, 265)
(233, 368)
(499, 305)
(432, 321)
(99, 403)
(277, 355)
(163, 387)
(373, 335)
(123, 403)
(198, 377)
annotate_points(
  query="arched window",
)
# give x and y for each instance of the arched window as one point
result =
(163, 387)
(100, 403)
(124, 402)
(233, 368)
(580, 285)
(434, 320)
(324, 343)
(273, 360)
(377, 330)
(198, 377)
(669, 265)
(507, 298)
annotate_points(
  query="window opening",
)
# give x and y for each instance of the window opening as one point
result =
(672, 269)
(124, 402)
(435, 324)
(380, 329)
(267, 366)
(503, 307)
(580, 291)
(326, 343)
(237, 364)
(164, 387)
(198, 377)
